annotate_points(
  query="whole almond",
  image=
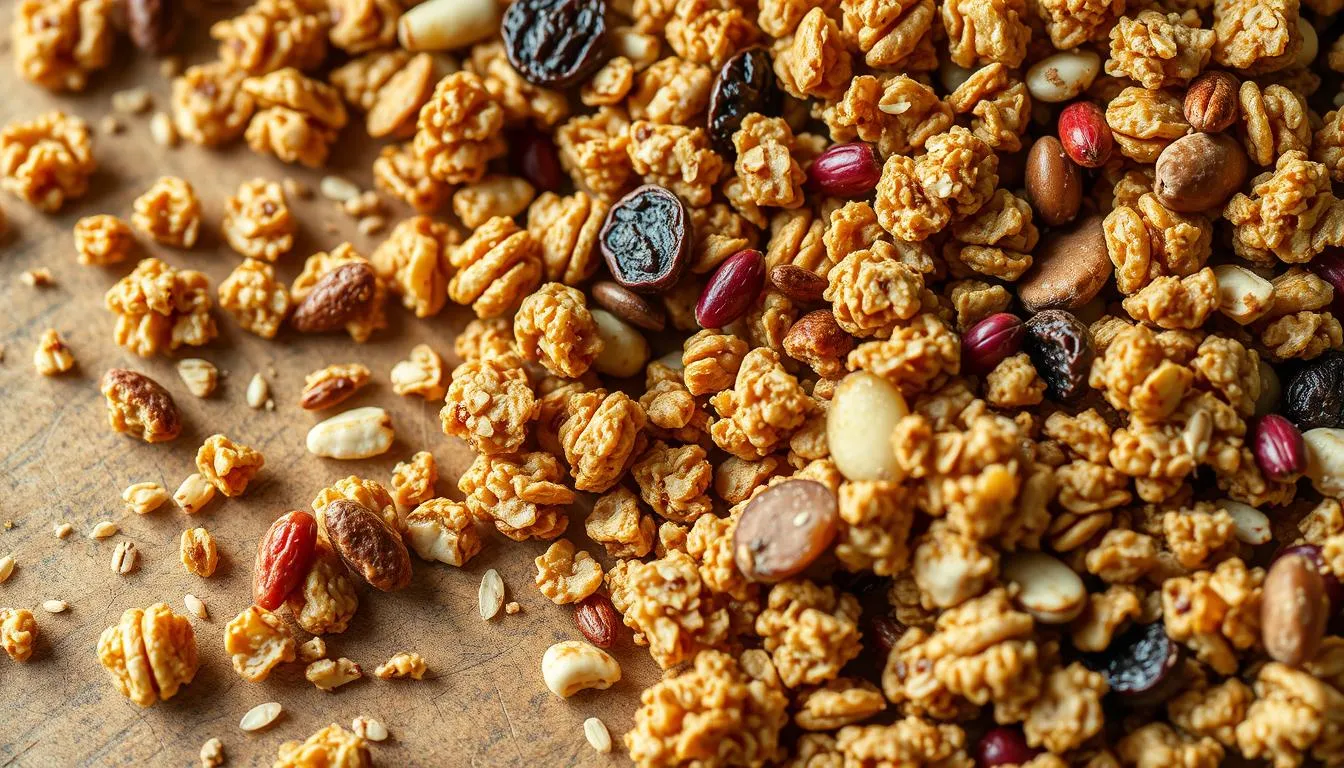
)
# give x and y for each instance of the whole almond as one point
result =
(340, 295)
(817, 335)
(1294, 610)
(800, 285)
(1211, 102)
(598, 620)
(1054, 182)
(366, 544)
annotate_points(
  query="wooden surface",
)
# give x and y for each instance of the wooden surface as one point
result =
(59, 462)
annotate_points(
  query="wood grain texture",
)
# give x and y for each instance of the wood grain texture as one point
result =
(59, 462)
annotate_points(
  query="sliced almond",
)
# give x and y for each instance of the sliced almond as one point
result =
(490, 596)
(104, 529)
(62, 530)
(1048, 589)
(595, 731)
(260, 716)
(337, 188)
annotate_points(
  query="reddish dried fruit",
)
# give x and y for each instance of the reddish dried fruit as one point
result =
(846, 170)
(367, 544)
(991, 341)
(598, 620)
(284, 556)
(538, 161)
(731, 290)
(646, 239)
(801, 285)
(1084, 134)
(555, 43)
(884, 631)
(745, 84)
(1279, 448)
(1003, 746)
(338, 296)
(784, 529)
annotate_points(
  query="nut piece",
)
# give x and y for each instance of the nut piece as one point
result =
(198, 553)
(573, 665)
(150, 653)
(257, 392)
(1325, 460)
(490, 595)
(260, 716)
(199, 375)
(6, 568)
(18, 632)
(1294, 610)
(194, 493)
(258, 641)
(1211, 103)
(359, 433)
(103, 530)
(196, 607)
(599, 738)
(342, 294)
(1049, 590)
(138, 405)
(314, 649)
(784, 530)
(1054, 183)
(124, 558)
(52, 357)
(443, 530)
(212, 754)
(444, 25)
(55, 606)
(598, 620)
(367, 544)
(420, 374)
(1199, 172)
(864, 411)
(330, 675)
(368, 728)
(1243, 295)
(143, 498)
(332, 385)
(402, 665)
(1069, 269)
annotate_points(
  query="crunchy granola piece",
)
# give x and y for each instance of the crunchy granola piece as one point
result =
(610, 84)
(872, 291)
(159, 308)
(918, 356)
(950, 567)
(566, 576)
(274, 34)
(617, 523)
(414, 261)
(1147, 240)
(1298, 290)
(413, 481)
(1256, 37)
(1327, 146)
(811, 631)
(911, 741)
(996, 241)
(18, 633)
(326, 599)
(900, 114)
(851, 227)
(331, 747)
(403, 665)
(360, 79)
(778, 18)
(797, 239)
(522, 494)
(1158, 49)
(1070, 23)
(986, 32)
(553, 326)
(198, 553)
(763, 409)
(813, 61)
(401, 173)
(228, 466)
(362, 326)
(601, 435)
(1215, 613)
(567, 229)
(1213, 711)
(1144, 122)
(982, 652)
(330, 674)
(298, 118)
(710, 543)
(420, 374)
(459, 130)
(709, 31)
(673, 91)
(489, 404)
(1136, 376)
(484, 338)
(958, 169)
(1295, 714)
(840, 702)
(496, 267)
(169, 212)
(672, 410)
(904, 207)
(676, 157)
(1199, 535)
(593, 149)
(257, 640)
(47, 161)
(718, 710)
(1014, 383)
(1068, 713)
(257, 221)
(876, 520)
(210, 106)
(1176, 302)
(711, 361)
(1105, 615)
(667, 604)
(255, 299)
(494, 195)
(102, 240)
(151, 653)
(443, 530)
(766, 169)
(1086, 435)
(891, 36)
(675, 481)
(52, 357)
(520, 100)
(1157, 744)
(1304, 335)
(1273, 121)
(363, 25)
(59, 43)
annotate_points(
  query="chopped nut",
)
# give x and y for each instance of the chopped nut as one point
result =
(315, 648)
(368, 728)
(329, 675)
(200, 376)
(212, 754)
(52, 357)
(198, 553)
(421, 374)
(18, 633)
(402, 665)
(194, 493)
(257, 640)
(227, 465)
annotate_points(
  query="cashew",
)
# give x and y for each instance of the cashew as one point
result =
(573, 665)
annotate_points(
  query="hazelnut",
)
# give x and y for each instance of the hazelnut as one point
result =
(1199, 172)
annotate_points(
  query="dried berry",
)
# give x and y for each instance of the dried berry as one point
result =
(884, 632)
(1314, 396)
(1084, 134)
(646, 239)
(284, 556)
(732, 290)
(745, 84)
(783, 530)
(629, 306)
(1003, 746)
(991, 341)
(338, 296)
(555, 43)
(846, 170)
(1279, 449)
(1138, 660)
(537, 160)
(1060, 347)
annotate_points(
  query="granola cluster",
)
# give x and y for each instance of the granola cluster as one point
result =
(159, 309)
(47, 161)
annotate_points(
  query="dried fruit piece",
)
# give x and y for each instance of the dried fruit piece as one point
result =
(1314, 396)
(366, 544)
(784, 529)
(1061, 349)
(646, 239)
(1137, 661)
(1278, 447)
(1003, 745)
(284, 556)
(745, 84)
(732, 290)
(555, 43)
(846, 170)
(991, 341)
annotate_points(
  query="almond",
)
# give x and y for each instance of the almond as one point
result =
(1069, 269)
(366, 544)
(340, 295)
(139, 405)
(1054, 182)
(800, 285)
(598, 620)
(1211, 102)
(1294, 610)
(817, 335)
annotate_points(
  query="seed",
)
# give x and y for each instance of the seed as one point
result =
(6, 568)
(257, 392)
(103, 530)
(124, 558)
(62, 530)
(162, 131)
(199, 375)
(371, 225)
(260, 716)
(337, 188)
(490, 596)
(195, 605)
(597, 734)
(368, 728)
(194, 493)
(133, 101)
(55, 606)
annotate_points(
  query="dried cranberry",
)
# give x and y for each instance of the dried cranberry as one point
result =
(646, 239)
(745, 84)
(846, 170)
(885, 632)
(1334, 589)
(1060, 347)
(538, 161)
(1138, 660)
(991, 341)
(555, 43)
(1314, 396)
(1003, 746)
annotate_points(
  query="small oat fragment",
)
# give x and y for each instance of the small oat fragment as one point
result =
(170, 66)
(104, 529)
(512, 607)
(52, 357)
(132, 101)
(161, 130)
(212, 754)
(124, 558)
(368, 728)
(194, 493)
(314, 649)
(143, 498)
(260, 716)
(402, 665)
(371, 225)
(257, 392)
(597, 734)
(338, 188)
(37, 278)
(200, 376)
(110, 125)
(6, 568)
(62, 530)
(55, 606)
(329, 674)
(490, 596)
(196, 607)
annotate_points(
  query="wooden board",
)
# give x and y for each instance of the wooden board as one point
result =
(59, 462)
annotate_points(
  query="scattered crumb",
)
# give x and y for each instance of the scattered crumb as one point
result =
(55, 606)
(296, 189)
(132, 101)
(38, 278)
(512, 607)
(110, 125)
(162, 131)
(62, 530)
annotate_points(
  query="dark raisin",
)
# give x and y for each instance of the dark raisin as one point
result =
(1003, 746)
(783, 530)
(883, 633)
(555, 43)
(1138, 660)
(1314, 396)
(646, 239)
(1060, 347)
(745, 84)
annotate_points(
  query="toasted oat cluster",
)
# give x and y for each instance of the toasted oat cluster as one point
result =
(47, 161)
(257, 640)
(326, 599)
(102, 240)
(160, 309)
(255, 299)
(257, 221)
(169, 212)
(228, 466)
(59, 44)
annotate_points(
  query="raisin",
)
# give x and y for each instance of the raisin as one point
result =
(153, 25)
(1314, 396)
(536, 160)
(555, 43)
(284, 556)
(883, 634)
(646, 239)
(783, 530)
(1060, 347)
(1138, 660)
(745, 84)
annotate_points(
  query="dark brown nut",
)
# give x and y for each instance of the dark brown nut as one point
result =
(598, 620)
(731, 290)
(339, 296)
(1061, 349)
(784, 529)
(817, 335)
(153, 24)
(1084, 134)
(1054, 183)
(1294, 610)
(991, 341)
(1069, 269)
(326, 393)
(629, 306)
(366, 544)
(1279, 448)
(846, 170)
(1211, 103)
(138, 405)
(646, 239)
(800, 285)
(1200, 171)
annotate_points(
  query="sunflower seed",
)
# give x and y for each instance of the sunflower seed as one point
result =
(195, 605)
(6, 568)
(490, 596)
(55, 606)
(260, 716)
(368, 728)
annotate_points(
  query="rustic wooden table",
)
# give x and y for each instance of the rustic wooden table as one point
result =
(485, 704)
